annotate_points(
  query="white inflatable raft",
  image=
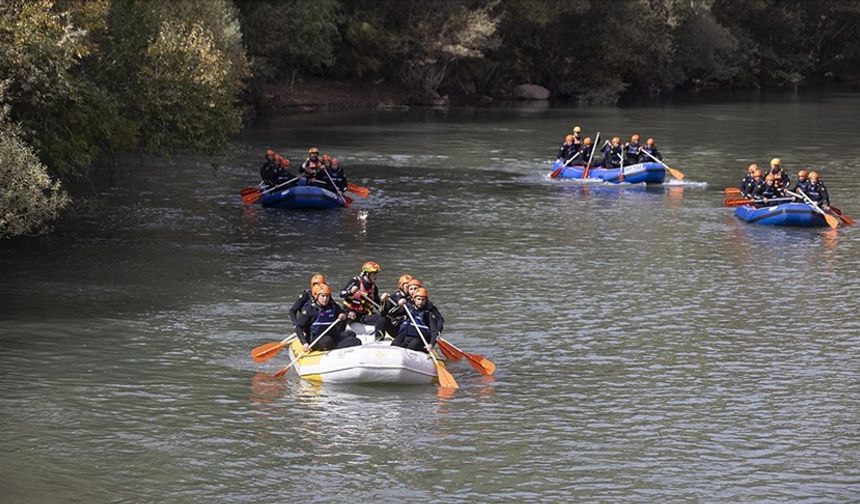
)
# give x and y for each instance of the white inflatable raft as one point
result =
(372, 362)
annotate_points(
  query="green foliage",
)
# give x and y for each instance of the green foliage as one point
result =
(29, 199)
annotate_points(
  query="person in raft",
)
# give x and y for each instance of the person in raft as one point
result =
(802, 183)
(780, 178)
(359, 296)
(650, 148)
(817, 192)
(270, 169)
(568, 149)
(311, 165)
(316, 316)
(632, 150)
(584, 152)
(392, 322)
(422, 319)
(612, 153)
(337, 175)
(748, 183)
(306, 296)
(768, 190)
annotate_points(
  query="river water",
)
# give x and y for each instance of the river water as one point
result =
(650, 346)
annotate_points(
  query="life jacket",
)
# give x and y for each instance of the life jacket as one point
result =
(325, 316)
(360, 305)
(631, 151)
(816, 191)
(407, 328)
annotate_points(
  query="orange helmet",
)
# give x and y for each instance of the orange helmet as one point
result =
(321, 288)
(634, 138)
(813, 175)
(587, 141)
(757, 173)
(649, 142)
(769, 178)
(318, 278)
(270, 153)
(569, 139)
(325, 158)
(752, 168)
(370, 267)
(415, 283)
(404, 279)
(284, 162)
(616, 140)
(335, 162)
(420, 292)
(802, 174)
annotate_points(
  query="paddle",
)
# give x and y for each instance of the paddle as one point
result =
(253, 197)
(447, 351)
(732, 190)
(621, 172)
(249, 190)
(673, 172)
(266, 351)
(832, 221)
(555, 173)
(591, 157)
(445, 378)
(302, 354)
(360, 191)
(848, 221)
(747, 201)
(346, 198)
(479, 363)
(346, 202)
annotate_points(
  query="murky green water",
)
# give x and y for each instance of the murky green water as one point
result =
(650, 347)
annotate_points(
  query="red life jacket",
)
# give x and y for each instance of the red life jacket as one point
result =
(357, 303)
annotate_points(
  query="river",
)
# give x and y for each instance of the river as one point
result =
(650, 346)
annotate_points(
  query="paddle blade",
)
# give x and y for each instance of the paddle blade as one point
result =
(266, 351)
(555, 173)
(832, 221)
(445, 378)
(251, 198)
(737, 202)
(249, 190)
(282, 372)
(675, 173)
(347, 200)
(361, 191)
(449, 351)
(732, 190)
(848, 221)
(481, 364)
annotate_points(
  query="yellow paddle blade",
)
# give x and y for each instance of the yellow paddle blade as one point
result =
(445, 378)
(675, 173)
(832, 221)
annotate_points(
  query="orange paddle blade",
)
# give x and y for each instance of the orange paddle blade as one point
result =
(357, 189)
(848, 221)
(737, 202)
(283, 371)
(450, 351)
(732, 190)
(266, 351)
(675, 173)
(445, 378)
(481, 364)
(249, 190)
(555, 173)
(251, 198)
(832, 221)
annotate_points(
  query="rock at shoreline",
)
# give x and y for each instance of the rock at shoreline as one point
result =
(531, 92)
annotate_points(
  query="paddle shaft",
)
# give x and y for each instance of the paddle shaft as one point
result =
(303, 352)
(336, 188)
(832, 221)
(591, 157)
(262, 355)
(667, 167)
(423, 339)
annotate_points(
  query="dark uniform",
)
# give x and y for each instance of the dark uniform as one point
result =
(315, 319)
(631, 153)
(568, 150)
(817, 192)
(407, 335)
(747, 185)
(612, 156)
(303, 299)
(643, 158)
(269, 172)
(781, 180)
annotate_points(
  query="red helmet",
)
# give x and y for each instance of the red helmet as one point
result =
(370, 267)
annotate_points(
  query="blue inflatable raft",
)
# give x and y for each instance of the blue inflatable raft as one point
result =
(302, 197)
(650, 173)
(785, 214)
